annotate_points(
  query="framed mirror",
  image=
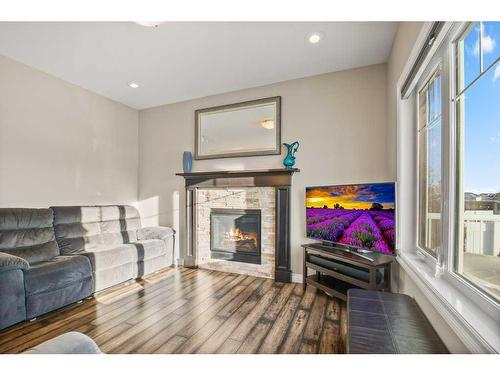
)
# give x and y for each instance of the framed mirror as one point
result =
(250, 128)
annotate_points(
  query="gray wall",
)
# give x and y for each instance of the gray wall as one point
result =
(403, 44)
(61, 144)
(339, 118)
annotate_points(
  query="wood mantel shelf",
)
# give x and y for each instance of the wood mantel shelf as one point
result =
(240, 178)
(280, 179)
(244, 172)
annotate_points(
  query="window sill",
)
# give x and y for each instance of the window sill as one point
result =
(478, 330)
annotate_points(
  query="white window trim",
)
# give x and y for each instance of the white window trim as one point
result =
(434, 69)
(473, 316)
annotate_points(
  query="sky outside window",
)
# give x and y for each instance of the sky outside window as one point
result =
(482, 111)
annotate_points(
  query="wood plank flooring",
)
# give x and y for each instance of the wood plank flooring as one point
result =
(181, 310)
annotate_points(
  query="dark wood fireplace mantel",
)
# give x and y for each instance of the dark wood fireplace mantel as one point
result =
(280, 179)
(242, 178)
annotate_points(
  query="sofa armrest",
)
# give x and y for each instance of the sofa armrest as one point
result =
(155, 233)
(10, 262)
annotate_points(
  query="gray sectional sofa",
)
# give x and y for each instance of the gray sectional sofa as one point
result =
(50, 258)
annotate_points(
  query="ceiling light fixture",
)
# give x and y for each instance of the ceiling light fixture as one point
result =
(149, 23)
(134, 85)
(314, 38)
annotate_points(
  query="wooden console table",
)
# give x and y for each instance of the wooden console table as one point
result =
(335, 281)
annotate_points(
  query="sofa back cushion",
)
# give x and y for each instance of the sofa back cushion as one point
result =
(28, 233)
(81, 228)
(119, 224)
(76, 228)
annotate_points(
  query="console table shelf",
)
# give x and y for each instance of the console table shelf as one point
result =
(340, 271)
(329, 285)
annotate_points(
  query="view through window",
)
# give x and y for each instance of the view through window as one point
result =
(478, 144)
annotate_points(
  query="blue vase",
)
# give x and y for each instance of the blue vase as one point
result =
(289, 160)
(187, 161)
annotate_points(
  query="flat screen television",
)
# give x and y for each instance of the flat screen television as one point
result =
(357, 216)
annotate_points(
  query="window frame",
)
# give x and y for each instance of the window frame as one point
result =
(436, 69)
(456, 211)
(444, 260)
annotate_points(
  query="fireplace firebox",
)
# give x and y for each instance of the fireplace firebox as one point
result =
(235, 235)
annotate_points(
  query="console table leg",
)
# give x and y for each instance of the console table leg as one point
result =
(304, 269)
(387, 276)
(373, 279)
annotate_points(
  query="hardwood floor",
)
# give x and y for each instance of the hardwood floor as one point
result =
(196, 311)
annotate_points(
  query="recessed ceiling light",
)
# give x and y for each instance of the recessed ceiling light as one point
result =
(134, 85)
(149, 23)
(314, 38)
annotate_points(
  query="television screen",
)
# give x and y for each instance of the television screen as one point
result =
(361, 215)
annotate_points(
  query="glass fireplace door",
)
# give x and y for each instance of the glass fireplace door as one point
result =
(235, 235)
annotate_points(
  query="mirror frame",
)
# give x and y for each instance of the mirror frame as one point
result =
(236, 106)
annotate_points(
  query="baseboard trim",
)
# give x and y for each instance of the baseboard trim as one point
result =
(297, 278)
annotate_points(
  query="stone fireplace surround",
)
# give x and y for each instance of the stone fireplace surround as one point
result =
(277, 180)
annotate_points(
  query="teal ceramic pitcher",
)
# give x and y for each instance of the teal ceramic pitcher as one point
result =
(289, 160)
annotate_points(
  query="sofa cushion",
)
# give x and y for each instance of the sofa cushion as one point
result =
(82, 228)
(119, 224)
(112, 276)
(76, 228)
(158, 233)
(28, 233)
(119, 231)
(152, 265)
(56, 273)
(110, 213)
(149, 249)
(67, 343)
(50, 300)
(110, 257)
(35, 253)
(10, 262)
(25, 218)
(76, 237)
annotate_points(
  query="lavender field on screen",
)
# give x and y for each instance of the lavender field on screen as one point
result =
(368, 229)
(360, 215)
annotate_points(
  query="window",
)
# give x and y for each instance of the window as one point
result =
(429, 165)
(449, 175)
(477, 104)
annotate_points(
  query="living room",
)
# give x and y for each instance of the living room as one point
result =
(249, 185)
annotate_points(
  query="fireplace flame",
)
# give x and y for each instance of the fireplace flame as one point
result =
(235, 234)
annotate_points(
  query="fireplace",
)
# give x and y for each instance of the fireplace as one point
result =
(235, 235)
(267, 190)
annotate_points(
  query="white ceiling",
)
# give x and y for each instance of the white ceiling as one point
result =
(180, 61)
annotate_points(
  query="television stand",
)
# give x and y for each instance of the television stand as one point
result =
(337, 270)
